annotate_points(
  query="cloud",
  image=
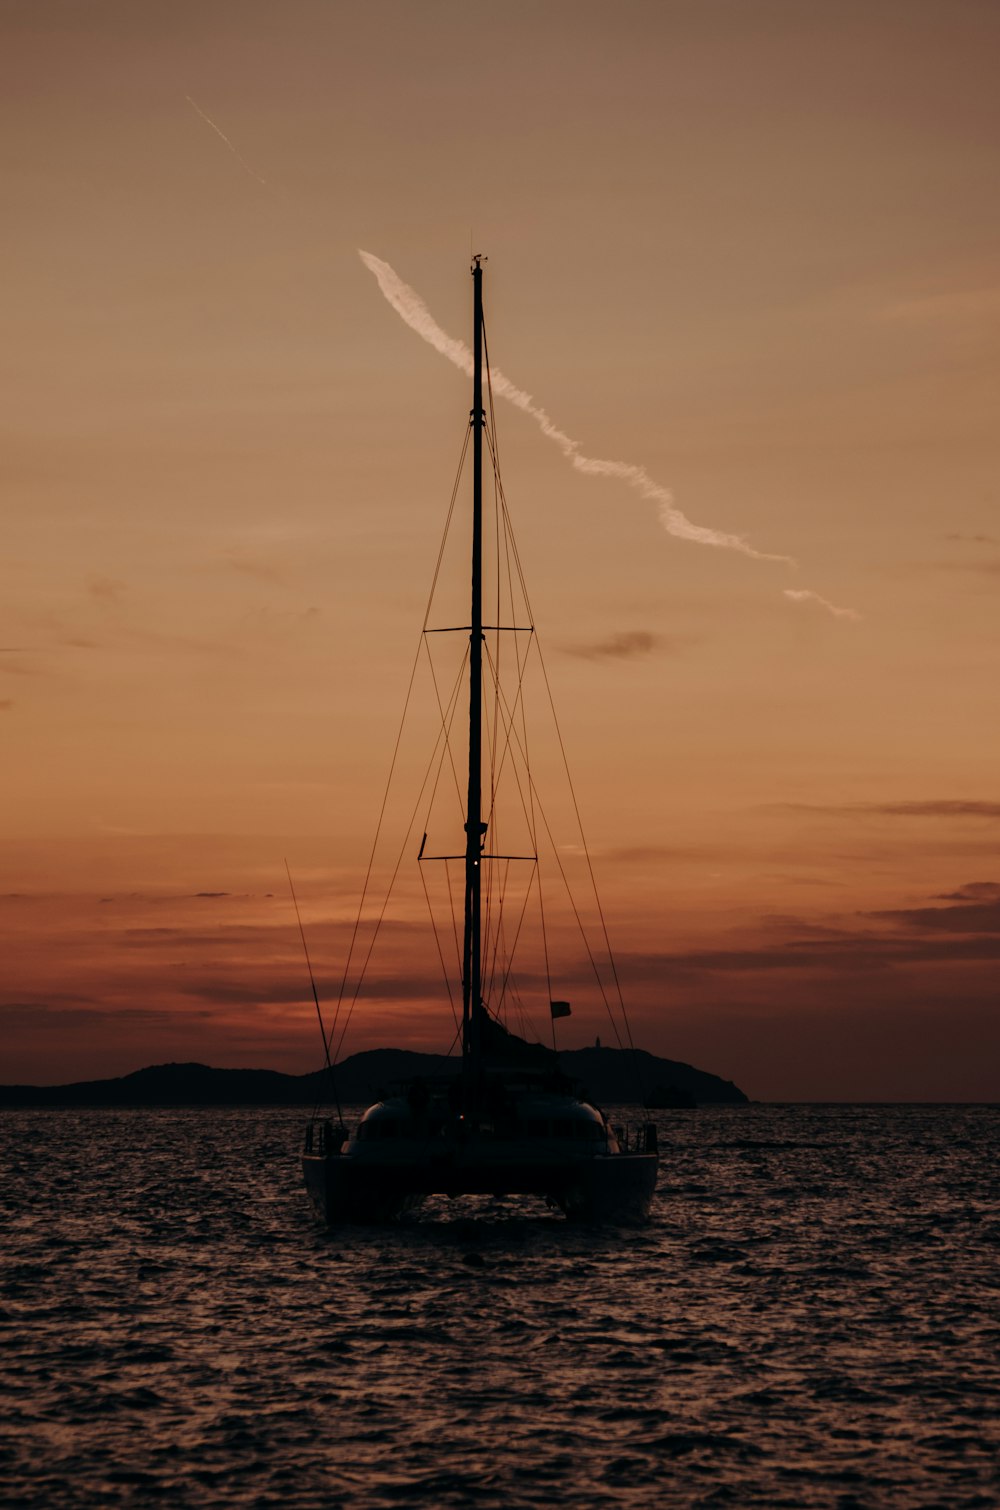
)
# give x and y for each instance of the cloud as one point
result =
(257, 567)
(6, 703)
(224, 138)
(804, 595)
(414, 312)
(107, 589)
(964, 935)
(60, 1010)
(942, 808)
(975, 909)
(989, 568)
(653, 854)
(974, 891)
(937, 807)
(973, 539)
(626, 645)
(287, 990)
(213, 894)
(859, 952)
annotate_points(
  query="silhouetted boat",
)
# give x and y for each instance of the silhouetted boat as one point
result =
(509, 1124)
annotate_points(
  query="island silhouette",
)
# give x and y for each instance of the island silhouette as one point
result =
(611, 1076)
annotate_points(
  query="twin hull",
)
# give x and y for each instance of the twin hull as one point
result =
(349, 1186)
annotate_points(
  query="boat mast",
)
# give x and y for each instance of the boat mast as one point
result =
(471, 956)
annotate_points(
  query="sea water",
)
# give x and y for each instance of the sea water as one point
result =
(809, 1319)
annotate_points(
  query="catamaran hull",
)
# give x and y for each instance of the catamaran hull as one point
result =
(342, 1191)
(615, 1188)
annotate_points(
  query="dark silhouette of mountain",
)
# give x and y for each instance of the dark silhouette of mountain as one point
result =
(609, 1076)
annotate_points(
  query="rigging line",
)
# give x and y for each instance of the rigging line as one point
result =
(497, 942)
(500, 705)
(572, 902)
(521, 662)
(489, 380)
(517, 779)
(494, 447)
(447, 720)
(569, 779)
(510, 543)
(517, 934)
(454, 918)
(450, 719)
(312, 982)
(520, 701)
(454, 1044)
(504, 997)
(430, 803)
(444, 970)
(511, 741)
(488, 900)
(507, 537)
(523, 743)
(508, 712)
(492, 886)
(447, 523)
(502, 513)
(586, 851)
(520, 704)
(371, 857)
(379, 920)
(545, 936)
(395, 752)
(498, 931)
(580, 926)
(446, 723)
(493, 442)
(499, 620)
(522, 582)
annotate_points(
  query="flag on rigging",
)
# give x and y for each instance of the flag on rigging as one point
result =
(559, 1009)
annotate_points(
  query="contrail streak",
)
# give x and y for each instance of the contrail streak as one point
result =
(411, 308)
(803, 595)
(223, 137)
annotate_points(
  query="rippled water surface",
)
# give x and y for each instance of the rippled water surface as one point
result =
(810, 1319)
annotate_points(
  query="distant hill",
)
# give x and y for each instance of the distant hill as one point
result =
(609, 1076)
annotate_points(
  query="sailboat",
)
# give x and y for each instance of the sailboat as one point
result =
(509, 1124)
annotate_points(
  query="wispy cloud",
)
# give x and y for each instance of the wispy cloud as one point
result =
(414, 312)
(803, 595)
(257, 567)
(989, 568)
(224, 138)
(935, 807)
(976, 909)
(627, 645)
(107, 589)
(973, 891)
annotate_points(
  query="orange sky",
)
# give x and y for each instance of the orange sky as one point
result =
(751, 247)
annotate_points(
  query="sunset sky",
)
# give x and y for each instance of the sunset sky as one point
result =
(748, 247)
